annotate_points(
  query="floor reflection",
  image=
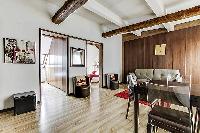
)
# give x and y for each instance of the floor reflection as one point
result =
(101, 112)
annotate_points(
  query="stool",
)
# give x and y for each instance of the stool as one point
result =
(24, 102)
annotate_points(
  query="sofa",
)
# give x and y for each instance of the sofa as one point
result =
(144, 75)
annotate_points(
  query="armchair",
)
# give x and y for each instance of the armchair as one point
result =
(81, 85)
(94, 75)
(112, 81)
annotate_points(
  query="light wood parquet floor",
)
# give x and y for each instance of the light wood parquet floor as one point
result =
(102, 112)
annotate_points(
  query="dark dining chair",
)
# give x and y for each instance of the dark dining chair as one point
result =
(131, 85)
(142, 97)
(172, 120)
(130, 98)
(198, 127)
(197, 121)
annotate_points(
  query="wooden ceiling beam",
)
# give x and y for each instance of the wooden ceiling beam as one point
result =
(158, 8)
(156, 21)
(69, 7)
(187, 24)
(128, 37)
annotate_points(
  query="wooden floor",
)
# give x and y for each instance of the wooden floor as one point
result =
(101, 112)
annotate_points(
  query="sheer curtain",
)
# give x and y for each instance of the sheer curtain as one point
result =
(57, 64)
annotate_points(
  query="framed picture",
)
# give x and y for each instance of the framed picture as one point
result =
(19, 51)
(77, 57)
(160, 49)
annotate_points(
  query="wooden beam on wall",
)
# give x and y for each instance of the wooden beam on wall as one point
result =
(156, 21)
(128, 37)
(158, 8)
(69, 7)
(187, 25)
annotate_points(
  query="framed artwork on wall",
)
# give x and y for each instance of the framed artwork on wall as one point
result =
(77, 57)
(19, 51)
(160, 49)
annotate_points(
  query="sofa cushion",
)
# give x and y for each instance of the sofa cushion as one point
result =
(144, 73)
(142, 80)
(162, 74)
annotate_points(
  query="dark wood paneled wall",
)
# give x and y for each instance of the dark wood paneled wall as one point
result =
(57, 64)
(182, 52)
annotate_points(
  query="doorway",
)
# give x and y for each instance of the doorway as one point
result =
(54, 66)
(53, 61)
(95, 62)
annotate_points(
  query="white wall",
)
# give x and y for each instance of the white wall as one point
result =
(21, 19)
(76, 71)
(113, 55)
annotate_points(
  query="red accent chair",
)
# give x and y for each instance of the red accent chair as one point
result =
(92, 75)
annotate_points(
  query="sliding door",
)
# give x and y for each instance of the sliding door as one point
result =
(57, 64)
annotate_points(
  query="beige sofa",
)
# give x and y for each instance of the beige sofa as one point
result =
(156, 74)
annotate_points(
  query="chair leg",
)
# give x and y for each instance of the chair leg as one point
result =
(150, 128)
(195, 122)
(198, 120)
(155, 129)
(198, 127)
(128, 108)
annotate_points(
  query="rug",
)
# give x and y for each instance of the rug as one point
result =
(124, 95)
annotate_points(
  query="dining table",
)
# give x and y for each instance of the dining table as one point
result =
(142, 89)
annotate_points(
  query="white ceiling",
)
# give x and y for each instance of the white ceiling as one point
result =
(91, 16)
(127, 9)
(168, 3)
(112, 14)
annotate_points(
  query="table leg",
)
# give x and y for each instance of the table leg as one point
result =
(136, 112)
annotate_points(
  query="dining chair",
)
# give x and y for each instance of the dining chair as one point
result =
(197, 121)
(143, 98)
(170, 119)
(131, 84)
(198, 127)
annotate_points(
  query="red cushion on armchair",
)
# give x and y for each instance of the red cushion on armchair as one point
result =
(94, 72)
